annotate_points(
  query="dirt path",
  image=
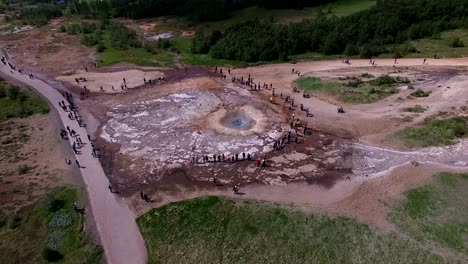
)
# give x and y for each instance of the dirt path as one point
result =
(115, 222)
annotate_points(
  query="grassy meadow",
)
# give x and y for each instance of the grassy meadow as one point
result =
(435, 132)
(437, 213)
(49, 230)
(139, 56)
(183, 44)
(19, 102)
(219, 230)
(355, 90)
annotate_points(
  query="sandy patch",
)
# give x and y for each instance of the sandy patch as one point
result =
(94, 80)
(188, 33)
(148, 26)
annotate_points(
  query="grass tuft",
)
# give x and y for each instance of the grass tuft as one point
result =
(415, 109)
(355, 90)
(435, 132)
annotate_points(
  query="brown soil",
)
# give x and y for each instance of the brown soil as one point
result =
(148, 26)
(29, 142)
(46, 51)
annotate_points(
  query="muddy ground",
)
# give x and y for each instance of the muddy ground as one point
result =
(155, 138)
(149, 138)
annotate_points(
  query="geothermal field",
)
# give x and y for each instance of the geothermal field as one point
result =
(194, 128)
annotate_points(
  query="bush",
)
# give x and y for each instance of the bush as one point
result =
(86, 28)
(22, 96)
(13, 92)
(402, 79)
(22, 169)
(14, 222)
(420, 93)
(366, 52)
(100, 47)
(166, 44)
(51, 255)
(40, 15)
(415, 109)
(88, 40)
(3, 92)
(354, 83)
(73, 29)
(351, 50)
(366, 75)
(25, 111)
(62, 28)
(397, 55)
(384, 80)
(457, 43)
(52, 204)
(121, 37)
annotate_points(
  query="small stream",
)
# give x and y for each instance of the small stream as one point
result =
(372, 161)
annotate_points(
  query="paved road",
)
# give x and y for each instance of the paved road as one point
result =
(115, 222)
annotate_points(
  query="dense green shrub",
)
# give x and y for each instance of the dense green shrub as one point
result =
(457, 43)
(88, 40)
(39, 15)
(3, 92)
(13, 92)
(61, 28)
(14, 222)
(25, 111)
(51, 255)
(194, 10)
(420, 93)
(384, 80)
(100, 47)
(121, 37)
(52, 204)
(366, 33)
(73, 29)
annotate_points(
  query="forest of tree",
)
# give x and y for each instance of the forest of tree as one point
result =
(366, 33)
(195, 10)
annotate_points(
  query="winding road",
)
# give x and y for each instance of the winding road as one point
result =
(118, 232)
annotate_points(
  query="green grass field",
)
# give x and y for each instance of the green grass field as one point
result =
(182, 44)
(340, 8)
(22, 103)
(440, 46)
(50, 223)
(139, 56)
(217, 230)
(361, 92)
(435, 132)
(437, 212)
